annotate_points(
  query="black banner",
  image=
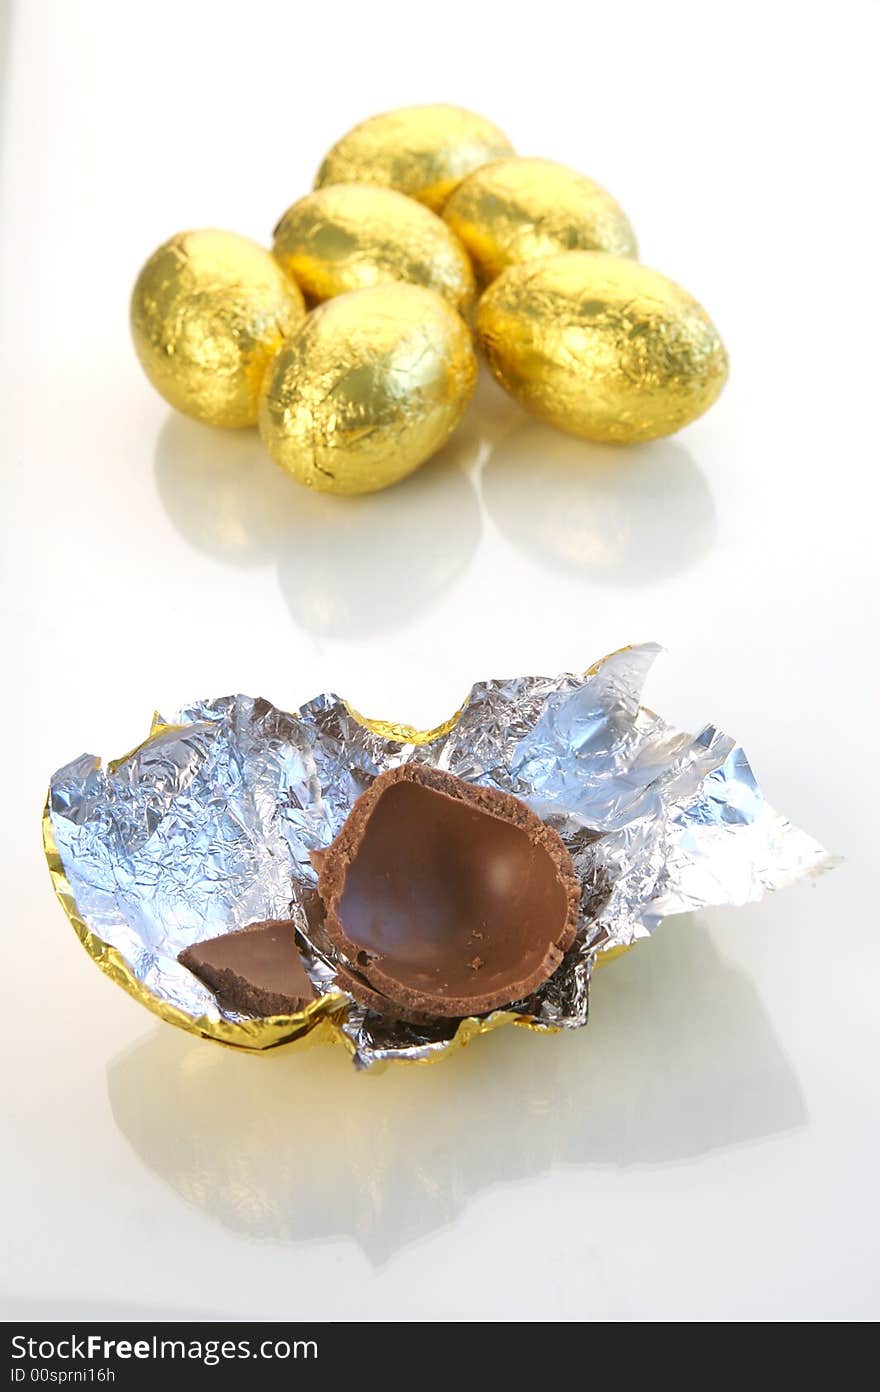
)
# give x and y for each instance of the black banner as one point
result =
(134, 1355)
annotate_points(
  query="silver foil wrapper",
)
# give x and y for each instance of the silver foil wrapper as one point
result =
(208, 826)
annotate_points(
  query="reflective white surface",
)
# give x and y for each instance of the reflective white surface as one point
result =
(707, 1147)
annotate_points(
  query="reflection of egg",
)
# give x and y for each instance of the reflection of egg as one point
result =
(222, 491)
(421, 150)
(338, 573)
(516, 210)
(208, 313)
(371, 385)
(351, 236)
(600, 346)
(610, 514)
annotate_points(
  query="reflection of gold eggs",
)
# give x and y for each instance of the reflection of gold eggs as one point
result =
(338, 573)
(209, 311)
(519, 209)
(371, 385)
(350, 236)
(421, 150)
(600, 346)
(632, 515)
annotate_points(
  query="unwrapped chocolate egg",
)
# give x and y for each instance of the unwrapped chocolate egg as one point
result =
(351, 236)
(209, 311)
(600, 346)
(420, 150)
(368, 388)
(516, 210)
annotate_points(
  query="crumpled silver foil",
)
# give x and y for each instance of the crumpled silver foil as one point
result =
(208, 826)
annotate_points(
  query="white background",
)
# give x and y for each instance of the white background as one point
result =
(707, 1148)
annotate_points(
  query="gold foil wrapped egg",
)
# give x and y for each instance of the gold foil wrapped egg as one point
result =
(351, 236)
(368, 388)
(209, 312)
(601, 346)
(516, 210)
(420, 150)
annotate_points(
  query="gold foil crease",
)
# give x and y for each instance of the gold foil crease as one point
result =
(353, 236)
(601, 347)
(424, 151)
(371, 385)
(518, 210)
(209, 311)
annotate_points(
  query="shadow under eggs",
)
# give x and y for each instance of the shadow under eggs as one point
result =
(614, 513)
(679, 1060)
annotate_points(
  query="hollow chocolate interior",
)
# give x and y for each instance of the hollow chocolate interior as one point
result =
(446, 897)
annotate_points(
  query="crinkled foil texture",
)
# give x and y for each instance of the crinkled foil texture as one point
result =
(370, 387)
(423, 151)
(208, 826)
(517, 210)
(352, 236)
(601, 346)
(209, 311)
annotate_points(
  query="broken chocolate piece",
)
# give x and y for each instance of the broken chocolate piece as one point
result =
(256, 970)
(444, 898)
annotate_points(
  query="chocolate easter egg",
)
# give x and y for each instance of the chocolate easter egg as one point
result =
(209, 311)
(420, 150)
(372, 384)
(352, 236)
(516, 210)
(600, 346)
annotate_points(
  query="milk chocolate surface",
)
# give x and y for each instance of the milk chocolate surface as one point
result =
(359, 987)
(443, 898)
(257, 970)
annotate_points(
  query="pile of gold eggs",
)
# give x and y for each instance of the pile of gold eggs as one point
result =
(352, 342)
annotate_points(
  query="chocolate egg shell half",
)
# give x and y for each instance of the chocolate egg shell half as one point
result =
(447, 898)
(600, 346)
(359, 988)
(351, 236)
(368, 388)
(421, 150)
(209, 311)
(517, 210)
